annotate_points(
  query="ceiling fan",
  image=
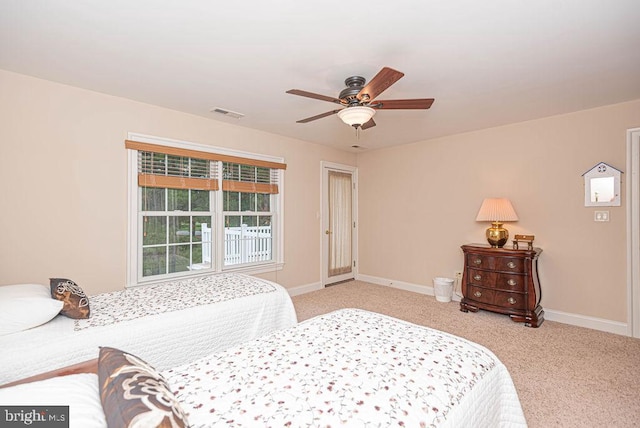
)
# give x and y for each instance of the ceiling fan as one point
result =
(360, 101)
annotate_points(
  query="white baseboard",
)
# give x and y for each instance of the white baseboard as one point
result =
(608, 326)
(416, 288)
(302, 289)
(549, 314)
(422, 289)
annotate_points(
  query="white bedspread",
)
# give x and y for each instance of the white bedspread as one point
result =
(164, 340)
(349, 368)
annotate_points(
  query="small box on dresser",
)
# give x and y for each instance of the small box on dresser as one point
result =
(502, 280)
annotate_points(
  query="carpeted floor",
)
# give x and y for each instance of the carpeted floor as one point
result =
(566, 376)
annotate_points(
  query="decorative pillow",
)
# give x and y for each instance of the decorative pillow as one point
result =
(78, 391)
(24, 306)
(134, 394)
(76, 303)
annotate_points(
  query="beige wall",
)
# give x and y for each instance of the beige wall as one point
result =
(64, 192)
(63, 187)
(418, 203)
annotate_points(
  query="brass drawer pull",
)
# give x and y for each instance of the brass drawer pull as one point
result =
(511, 265)
(477, 277)
(477, 261)
(477, 294)
(512, 282)
(511, 300)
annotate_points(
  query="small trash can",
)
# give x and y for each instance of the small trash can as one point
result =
(443, 288)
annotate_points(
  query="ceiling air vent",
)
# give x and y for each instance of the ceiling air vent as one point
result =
(228, 113)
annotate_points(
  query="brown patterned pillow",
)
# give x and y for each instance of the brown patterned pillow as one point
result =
(76, 303)
(134, 394)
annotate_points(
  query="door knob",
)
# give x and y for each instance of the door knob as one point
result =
(327, 232)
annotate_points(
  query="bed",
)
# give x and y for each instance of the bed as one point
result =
(345, 368)
(167, 324)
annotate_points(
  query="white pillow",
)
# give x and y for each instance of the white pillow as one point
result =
(78, 391)
(23, 306)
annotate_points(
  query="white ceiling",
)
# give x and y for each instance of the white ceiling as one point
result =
(486, 63)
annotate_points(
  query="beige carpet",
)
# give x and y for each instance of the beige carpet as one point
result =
(566, 376)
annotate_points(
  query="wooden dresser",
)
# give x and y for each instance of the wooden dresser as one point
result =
(502, 280)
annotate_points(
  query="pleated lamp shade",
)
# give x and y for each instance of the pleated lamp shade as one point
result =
(497, 209)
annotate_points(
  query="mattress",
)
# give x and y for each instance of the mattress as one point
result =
(349, 368)
(165, 335)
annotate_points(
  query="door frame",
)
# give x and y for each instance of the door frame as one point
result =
(324, 245)
(633, 232)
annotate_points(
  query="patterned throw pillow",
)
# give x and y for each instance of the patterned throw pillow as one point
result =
(134, 394)
(76, 303)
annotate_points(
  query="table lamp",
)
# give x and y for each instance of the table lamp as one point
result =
(497, 211)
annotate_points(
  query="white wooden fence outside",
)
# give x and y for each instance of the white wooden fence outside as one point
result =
(206, 244)
(244, 244)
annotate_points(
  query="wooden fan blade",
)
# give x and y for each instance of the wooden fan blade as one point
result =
(319, 116)
(418, 103)
(385, 78)
(368, 124)
(312, 95)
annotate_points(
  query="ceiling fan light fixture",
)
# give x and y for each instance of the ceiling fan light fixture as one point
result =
(356, 116)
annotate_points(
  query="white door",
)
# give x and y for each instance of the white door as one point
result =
(339, 223)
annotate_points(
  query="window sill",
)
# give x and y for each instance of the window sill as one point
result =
(249, 270)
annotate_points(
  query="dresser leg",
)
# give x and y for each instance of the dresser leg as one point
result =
(533, 319)
(465, 307)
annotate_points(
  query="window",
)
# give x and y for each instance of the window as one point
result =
(176, 218)
(187, 219)
(247, 213)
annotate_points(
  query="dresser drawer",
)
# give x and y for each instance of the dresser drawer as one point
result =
(481, 295)
(505, 281)
(510, 300)
(509, 264)
(499, 281)
(480, 261)
(481, 277)
(503, 264)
